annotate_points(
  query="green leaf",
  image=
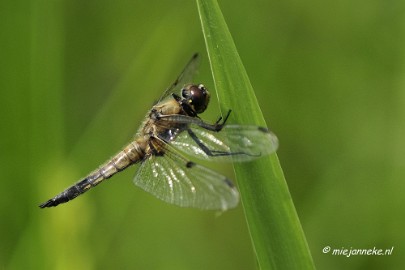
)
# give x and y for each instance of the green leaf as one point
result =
(273, 223)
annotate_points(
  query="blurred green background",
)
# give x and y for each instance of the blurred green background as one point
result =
(77, 77)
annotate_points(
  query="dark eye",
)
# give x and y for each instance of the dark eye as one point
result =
(197, 97)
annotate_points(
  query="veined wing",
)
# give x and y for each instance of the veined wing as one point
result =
(173, 179)
(186, 76)
(233, 143)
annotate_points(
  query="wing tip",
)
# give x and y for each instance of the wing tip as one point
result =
(273, 137)
(263, 129)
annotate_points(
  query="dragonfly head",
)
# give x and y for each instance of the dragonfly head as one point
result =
(196, 96)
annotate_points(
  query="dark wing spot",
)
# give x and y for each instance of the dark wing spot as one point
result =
(229, 183)
(263, 129)
(190, 164)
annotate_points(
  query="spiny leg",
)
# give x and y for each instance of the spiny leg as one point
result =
(210, 152)
(184, 119)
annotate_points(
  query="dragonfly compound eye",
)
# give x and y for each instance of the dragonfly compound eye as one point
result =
(197, 97)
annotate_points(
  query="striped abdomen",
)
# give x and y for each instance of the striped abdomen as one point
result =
(131, 154)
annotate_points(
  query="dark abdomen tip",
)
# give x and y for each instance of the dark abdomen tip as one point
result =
(49, 203)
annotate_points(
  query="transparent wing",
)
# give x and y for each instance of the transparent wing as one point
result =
(186, 76)
(173, 179)
(233, 143)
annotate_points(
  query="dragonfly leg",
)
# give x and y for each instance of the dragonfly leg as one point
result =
(184, 119)
(220, 118)
(209, 152)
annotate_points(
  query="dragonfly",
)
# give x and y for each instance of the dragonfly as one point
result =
(173, 131)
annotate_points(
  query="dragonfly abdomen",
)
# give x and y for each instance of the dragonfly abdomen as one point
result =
(71, 192)
(131, 154)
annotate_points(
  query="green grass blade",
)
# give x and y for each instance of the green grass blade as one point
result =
(273, 223)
